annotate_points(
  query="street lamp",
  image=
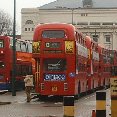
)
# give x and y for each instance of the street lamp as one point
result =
(14, 53)
(72, 15)
(72, 11)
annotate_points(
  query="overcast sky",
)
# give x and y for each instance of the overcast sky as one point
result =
(8, 6)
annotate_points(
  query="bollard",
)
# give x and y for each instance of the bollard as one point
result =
(68, 106)
(113, 106)
(113, 96)
(93, 113)
(100, 104)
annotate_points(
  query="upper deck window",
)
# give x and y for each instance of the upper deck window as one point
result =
(1, 43)
(53, 34)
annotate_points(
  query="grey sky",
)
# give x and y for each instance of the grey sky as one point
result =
(8, 6)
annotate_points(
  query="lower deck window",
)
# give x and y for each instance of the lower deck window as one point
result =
(55, 65)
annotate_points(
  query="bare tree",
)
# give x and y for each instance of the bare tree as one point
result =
(6, 24)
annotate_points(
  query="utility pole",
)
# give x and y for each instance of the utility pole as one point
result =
(14, 53)
(72, 15)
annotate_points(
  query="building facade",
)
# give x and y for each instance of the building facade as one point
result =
(95, 18)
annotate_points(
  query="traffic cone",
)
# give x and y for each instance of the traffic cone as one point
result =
(93, 113)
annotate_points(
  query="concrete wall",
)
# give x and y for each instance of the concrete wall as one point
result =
(101, 22)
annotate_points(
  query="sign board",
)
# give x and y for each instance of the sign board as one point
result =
(113, 82)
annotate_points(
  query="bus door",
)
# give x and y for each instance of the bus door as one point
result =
(37, 74)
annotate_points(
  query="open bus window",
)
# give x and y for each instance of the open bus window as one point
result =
(53, 34)
(55, 65)
(1, 43)
(29, 47)
(23, 46)
(1, 64)
(18, 46)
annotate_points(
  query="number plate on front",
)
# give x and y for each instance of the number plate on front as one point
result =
(52, 44)
(54, 88)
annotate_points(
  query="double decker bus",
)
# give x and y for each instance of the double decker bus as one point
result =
(106, 66)
(24, 62)
(61, 56)
(113, 57)
(92, 64)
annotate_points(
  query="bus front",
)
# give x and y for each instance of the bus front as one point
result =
(54, 52)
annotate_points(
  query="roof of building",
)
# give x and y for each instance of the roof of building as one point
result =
(80, 4)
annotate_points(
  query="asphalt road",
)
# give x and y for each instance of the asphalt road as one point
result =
(18, 106)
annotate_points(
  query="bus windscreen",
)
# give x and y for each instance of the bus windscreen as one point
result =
(58, 65)
(53, 34)
(1, 43)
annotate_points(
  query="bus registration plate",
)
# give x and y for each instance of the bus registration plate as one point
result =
(54, 88)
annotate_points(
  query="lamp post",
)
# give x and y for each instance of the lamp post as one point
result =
(72, 15)
(14, 53)
(72, 12)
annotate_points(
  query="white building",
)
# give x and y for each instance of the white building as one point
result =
(97, 18)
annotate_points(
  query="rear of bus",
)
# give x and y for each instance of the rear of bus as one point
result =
(54, 53)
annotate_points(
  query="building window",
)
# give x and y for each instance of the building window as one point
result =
(95, 38)
(94, 23)
(107, 23)
(84, 14)
(108, 37)
(25, 29)
(29, 22)
(82, 23)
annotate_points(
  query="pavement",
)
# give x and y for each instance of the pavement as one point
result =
(16, 106)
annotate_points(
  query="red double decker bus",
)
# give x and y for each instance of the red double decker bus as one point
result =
(61, 57)
(113, 58)
(93, 64)
(24, 62)
(106, 58)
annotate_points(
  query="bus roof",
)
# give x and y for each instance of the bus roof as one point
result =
(40, 27)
